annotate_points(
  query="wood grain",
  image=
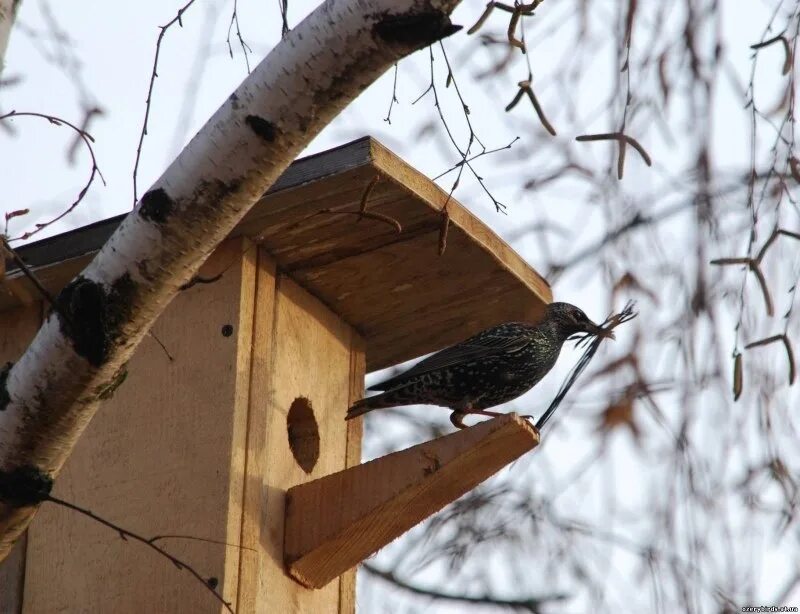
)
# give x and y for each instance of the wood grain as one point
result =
(163, 456)
(264, 347)
(334, 523)
(310, 358)
(407, 300)
(436, 198)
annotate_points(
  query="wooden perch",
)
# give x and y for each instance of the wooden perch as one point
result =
(335, 522)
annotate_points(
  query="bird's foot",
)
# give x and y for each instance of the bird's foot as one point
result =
(483, 412)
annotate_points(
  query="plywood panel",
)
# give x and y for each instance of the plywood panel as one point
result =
(17, 329)
(313, 360)
(164, 456)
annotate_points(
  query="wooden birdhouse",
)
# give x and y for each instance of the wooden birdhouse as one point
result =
(230, 426)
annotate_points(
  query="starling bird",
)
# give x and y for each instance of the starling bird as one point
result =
(488, 369)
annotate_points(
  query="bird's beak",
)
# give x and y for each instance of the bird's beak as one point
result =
(594, 329)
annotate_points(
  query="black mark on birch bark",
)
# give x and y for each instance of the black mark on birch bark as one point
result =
(96, 315)
(415, 30)
(156, 206)
(262, 127)
(5, 399)
(24, 486)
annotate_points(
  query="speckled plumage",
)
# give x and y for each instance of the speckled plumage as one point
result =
(493, 367)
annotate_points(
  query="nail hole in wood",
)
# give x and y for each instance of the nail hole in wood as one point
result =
(303, 431)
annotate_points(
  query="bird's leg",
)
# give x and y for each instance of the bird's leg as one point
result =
(459, 412)
(457, 418)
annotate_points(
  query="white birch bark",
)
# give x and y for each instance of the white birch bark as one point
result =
(51, 393)
(8, 13)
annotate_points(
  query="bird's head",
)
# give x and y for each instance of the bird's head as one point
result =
(571, 320)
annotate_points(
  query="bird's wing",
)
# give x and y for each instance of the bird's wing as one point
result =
(501, 339)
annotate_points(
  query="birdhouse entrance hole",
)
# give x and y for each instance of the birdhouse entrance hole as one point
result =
(303, 431)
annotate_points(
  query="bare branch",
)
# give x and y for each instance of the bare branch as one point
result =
(526, 88)
(148, 101)
(786, 345)
(94, 172)
(209, 583)
(622, 140)
(531, 604)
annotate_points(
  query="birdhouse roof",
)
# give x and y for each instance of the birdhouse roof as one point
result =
(403, 296)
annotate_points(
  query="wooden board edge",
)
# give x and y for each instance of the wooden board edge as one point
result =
(245, 259)
(512, 438)
(402, 173)
(355, 431)
(258, 383)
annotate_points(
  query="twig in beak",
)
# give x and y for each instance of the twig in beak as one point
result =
(606, 329)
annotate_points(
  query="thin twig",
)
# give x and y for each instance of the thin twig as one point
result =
(444, 228)
(362, 209)
(486, 152)
(394, 100)
(284, 7)
(170, 357)
(89, 115)
(786, 345)
(526, 88)
(608, 326)
(125, 534)
(518, 11)
(163, 30)
(197, 279)
(193, 538)
(27, 272)
(531, 604)
(95, 170)
(622, 140)
(245, 47)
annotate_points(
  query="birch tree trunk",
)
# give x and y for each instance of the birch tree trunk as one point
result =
(8, 13)
(79, 355)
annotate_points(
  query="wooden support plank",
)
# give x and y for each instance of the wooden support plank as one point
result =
(164, 456)
(18, 328)
(355, 430)
(311, 360)
(252, 556)
(335, 522)
(245, 255)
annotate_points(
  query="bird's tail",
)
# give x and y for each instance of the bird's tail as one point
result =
(359, 408)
